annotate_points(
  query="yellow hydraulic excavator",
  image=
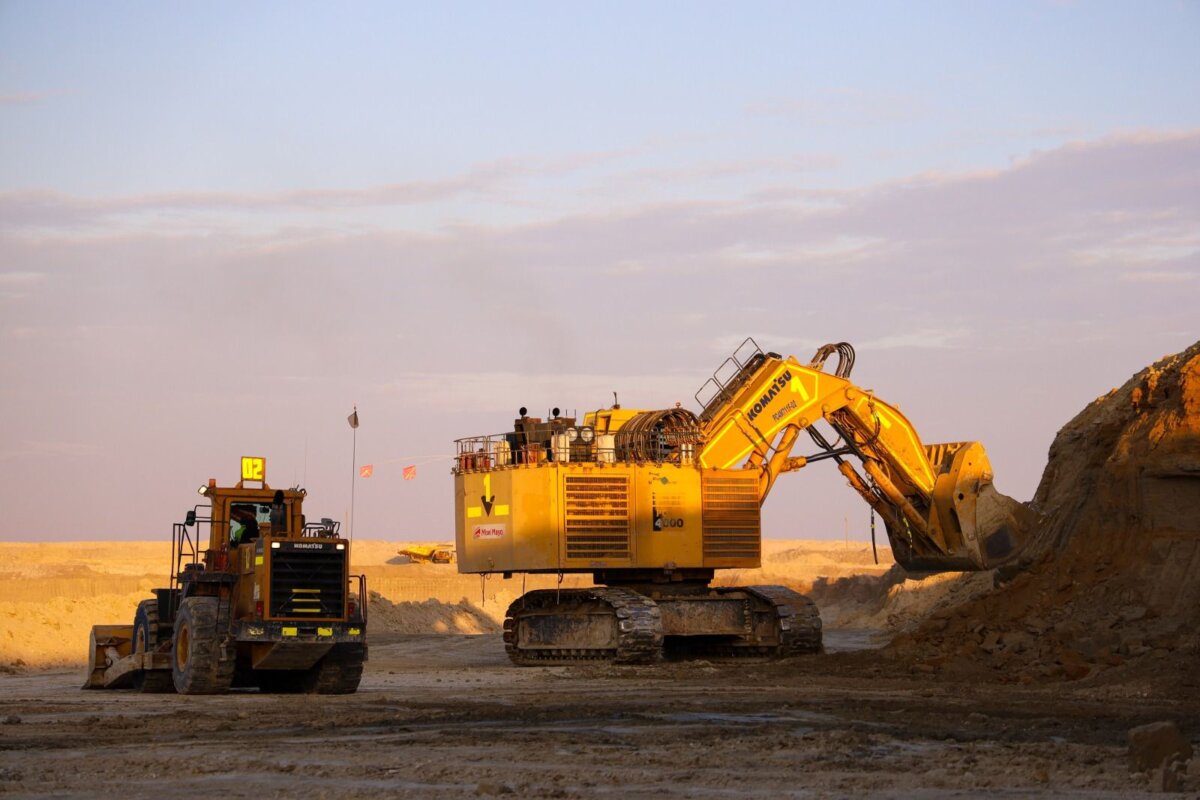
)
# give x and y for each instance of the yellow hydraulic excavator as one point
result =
(653, 502)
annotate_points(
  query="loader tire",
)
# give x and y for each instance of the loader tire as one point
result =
(146, 638)
(339, 672)
(196, 665)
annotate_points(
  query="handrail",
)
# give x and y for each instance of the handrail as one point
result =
(743, 365)
(326, 528)
(363, 600)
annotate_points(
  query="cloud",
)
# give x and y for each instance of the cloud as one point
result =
(50, 450)
(11, 279)
(844, 105)
(928, 261)
(803, 347)
(993, 297)
(40, 208)
(730, 169)
(25, 98)
(19, 285)
(36, 208)
(475, 391)
(1050, 211)
(26, 332)
(924, 339)
(1159, 276)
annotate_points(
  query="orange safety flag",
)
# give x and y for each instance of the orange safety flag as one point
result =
(366, 470)
(410, 472)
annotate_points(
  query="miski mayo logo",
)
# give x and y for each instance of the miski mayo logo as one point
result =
(488, 532)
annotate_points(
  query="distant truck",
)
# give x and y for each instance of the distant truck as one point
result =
(430, 553)
(270, 602)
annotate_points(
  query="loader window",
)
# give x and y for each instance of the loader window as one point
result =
(244, 521)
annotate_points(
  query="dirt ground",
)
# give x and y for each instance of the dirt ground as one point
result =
(446, 716)
(51, 594)
(1010, 683)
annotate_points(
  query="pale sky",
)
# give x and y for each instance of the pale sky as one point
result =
(222, 224)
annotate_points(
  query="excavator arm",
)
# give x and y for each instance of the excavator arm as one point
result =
(938, 502)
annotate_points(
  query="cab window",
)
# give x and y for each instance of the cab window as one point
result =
(245, 520)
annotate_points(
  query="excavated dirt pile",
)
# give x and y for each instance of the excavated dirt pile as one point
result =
(427, 616)
(1114, 585)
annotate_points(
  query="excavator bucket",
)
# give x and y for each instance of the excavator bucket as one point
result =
(977, 527)
(994, 528)
(1002, 527)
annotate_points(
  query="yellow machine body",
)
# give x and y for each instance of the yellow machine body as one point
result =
(653, 502)
(582, 517)
(669, 490)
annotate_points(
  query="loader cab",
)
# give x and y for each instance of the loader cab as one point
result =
(245, 520)
(242, 516)
(249, 511)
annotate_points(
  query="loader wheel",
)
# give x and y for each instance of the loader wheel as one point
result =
(146, 640)
(339, 672)
(196, 665)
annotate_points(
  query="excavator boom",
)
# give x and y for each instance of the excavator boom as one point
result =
(938, 501)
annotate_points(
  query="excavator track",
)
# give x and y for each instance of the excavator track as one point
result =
(798, 619)
(776, 622)
(572, 626)
(619, 625)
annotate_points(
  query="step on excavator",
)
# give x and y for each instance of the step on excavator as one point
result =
(653, 502)
(264, 600)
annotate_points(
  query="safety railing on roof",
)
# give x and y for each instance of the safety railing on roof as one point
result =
(497, 450)
(729, 377)
(669, 436)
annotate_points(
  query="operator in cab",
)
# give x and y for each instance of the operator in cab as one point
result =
(244, 523)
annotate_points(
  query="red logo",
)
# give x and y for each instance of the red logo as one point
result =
(488, 532)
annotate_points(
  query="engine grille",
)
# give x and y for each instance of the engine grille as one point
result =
(732, 526)
(307, 582)
(596, 516)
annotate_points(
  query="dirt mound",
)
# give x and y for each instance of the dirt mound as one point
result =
(895, 601)
(831, 555)
(428, 616)
(1115, 579)
(53, 631)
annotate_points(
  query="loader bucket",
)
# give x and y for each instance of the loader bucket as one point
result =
(106, 646)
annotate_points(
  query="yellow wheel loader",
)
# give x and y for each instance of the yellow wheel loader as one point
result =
(653, 502)
(258, 597)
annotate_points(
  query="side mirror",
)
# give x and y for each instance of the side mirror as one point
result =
(190, 519)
